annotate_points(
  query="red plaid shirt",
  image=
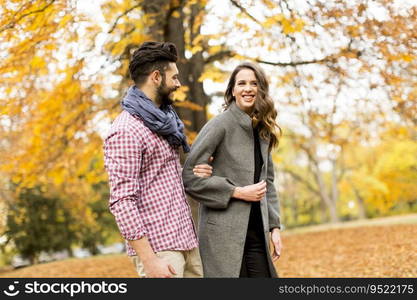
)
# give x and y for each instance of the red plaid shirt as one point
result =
(146, 190)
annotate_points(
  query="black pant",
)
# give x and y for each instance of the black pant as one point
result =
(254, 262)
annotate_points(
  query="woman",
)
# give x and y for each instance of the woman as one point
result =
(238, 204)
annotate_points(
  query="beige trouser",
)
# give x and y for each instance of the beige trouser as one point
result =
(187, 264)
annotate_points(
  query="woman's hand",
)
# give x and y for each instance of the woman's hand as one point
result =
(252, 193)
(276, 244)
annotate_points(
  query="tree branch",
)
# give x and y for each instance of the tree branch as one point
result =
(219, 56)
(293, 64)
(228, 53)
(329, 58)
(302, 180)
(244, 10)
(13, 23)
(297, 63)
(122, 15)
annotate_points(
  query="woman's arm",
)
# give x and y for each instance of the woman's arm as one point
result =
(214, 191)
(272, 197)
(273, 211)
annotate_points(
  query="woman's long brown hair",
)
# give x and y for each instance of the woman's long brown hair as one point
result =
(264, 112)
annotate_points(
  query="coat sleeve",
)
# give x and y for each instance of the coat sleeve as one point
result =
(214, 191)
(272, 197)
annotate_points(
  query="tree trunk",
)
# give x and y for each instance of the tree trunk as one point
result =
(322, 189)
(361, 205)
(335, 189)
(33, 259)
(331, 206)
(166, 26)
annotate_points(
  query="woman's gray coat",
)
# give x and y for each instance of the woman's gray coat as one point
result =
(223, 221)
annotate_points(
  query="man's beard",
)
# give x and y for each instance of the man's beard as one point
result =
(162, 94)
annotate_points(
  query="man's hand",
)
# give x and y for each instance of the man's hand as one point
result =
(156, 267)
(276, 244)
(252, 193)
(203, 170)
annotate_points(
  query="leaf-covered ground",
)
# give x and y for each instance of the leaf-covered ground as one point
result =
(367, 251)
(377, 251)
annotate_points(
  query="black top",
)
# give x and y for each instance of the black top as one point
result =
(255, 219)
(258, 156)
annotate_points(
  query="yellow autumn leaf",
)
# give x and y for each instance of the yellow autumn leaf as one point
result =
(189, 105)
(407, 57)
(181, 93)
(176, 14)
(38, 62)
(196, 49)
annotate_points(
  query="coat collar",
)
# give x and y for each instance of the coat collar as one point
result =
(242, 118)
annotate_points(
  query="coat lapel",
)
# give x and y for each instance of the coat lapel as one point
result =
(245, 121)
(264, 150)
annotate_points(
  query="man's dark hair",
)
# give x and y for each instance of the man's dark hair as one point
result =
(149, 57)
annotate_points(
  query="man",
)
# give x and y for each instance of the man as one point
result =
(142, 159)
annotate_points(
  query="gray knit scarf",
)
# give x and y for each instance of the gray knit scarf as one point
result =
(163, 121)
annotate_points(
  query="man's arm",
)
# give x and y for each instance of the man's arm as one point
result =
(154, 266)
(123, 153)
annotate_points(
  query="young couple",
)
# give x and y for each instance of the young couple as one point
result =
(239, 209)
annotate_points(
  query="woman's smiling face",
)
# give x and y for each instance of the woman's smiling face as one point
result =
(245, 90)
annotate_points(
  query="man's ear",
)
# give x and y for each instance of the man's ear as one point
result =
(156, 76)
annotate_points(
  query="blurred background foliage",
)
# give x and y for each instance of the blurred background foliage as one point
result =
(343, 78)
